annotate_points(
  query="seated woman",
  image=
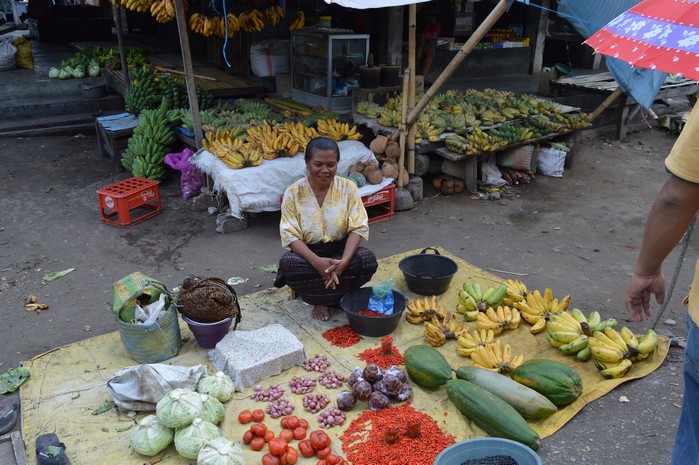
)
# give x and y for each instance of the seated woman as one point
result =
(323, 221)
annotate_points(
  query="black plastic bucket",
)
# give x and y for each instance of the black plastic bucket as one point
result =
(428, 274)
(372, 326)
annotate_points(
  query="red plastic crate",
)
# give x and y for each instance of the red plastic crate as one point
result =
(380, 205)
(129, 201)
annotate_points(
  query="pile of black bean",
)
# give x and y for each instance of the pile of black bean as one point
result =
(492, 460)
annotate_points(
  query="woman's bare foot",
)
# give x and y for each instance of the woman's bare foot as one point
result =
(323, 312)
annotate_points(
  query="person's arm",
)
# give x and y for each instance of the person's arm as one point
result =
(670, 216)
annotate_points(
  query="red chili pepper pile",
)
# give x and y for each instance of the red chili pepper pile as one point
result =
(379, 358)
(341, 336)
(363, 442)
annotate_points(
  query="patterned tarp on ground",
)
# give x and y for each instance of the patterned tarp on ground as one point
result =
(67, 384)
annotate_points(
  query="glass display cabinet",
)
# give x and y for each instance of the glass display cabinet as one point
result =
(325, 67)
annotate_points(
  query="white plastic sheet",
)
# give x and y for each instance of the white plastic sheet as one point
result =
(259, 189)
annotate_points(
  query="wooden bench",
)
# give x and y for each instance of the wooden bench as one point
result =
(604, 83)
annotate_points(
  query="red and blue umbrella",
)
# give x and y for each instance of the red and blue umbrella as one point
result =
(656, 34)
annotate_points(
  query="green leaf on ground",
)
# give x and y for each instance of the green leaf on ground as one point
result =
(13, 378)
(269, 268)
(105, 407)
(57, 274)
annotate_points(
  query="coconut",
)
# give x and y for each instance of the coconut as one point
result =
(459, 185)
(373, 174)
(378, 145)
(403, 177)
(393, 150)
(389, 170)
(437, 181)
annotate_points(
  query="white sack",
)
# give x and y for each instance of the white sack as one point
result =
(7, 55)
(270, 57)
(551, 162)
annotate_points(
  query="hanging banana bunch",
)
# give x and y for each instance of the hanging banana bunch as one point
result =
(274, 14)
(298, 22)
(251, 21)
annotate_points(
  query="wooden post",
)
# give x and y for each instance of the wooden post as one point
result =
(116, 11)
(540, 37)
(401, 130)
(412, 13)
(604, 105)
(188, 71)
(470, 44)
(394, 55)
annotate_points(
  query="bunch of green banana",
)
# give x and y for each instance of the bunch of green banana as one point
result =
(424, 130)
(390, 118)
(545, 124)
(535, 308)
(490, 117)
(368, 109)
(147, 147)
(143, 92)
(459, 144)
(473, 300)
(512, 133)
(548, 107)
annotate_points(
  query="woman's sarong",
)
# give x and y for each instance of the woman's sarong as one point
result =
(300, 276)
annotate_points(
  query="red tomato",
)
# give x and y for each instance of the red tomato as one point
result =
(291, 456)
(258, 415)
(284, 423)
(292, 422)
(324, 453)
(269, 435)
(259, 430)
(287, 435)
(248, 437)
(278, 447)
(322, 462)
(245, 416)
(303, 423)
(269, 459)
(333, 459)
(319, 439)
(306, 448)
(257, 444)
(299, 433)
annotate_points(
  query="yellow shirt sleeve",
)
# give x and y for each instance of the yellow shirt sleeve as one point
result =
(289, 225)
(683, 160)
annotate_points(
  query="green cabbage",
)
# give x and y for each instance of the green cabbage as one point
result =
(93, 71)
(190, 439)
(221, 451)
(150, 437)
(212, 410)
(179, 408)
(78, 72)
(64, 74)
(219, 386)
(53, 73)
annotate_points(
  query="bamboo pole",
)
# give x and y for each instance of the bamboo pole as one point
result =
(116, 12)
(404, 115)
(604, 105)
(412, 13)
(188, 71)
(470, 44)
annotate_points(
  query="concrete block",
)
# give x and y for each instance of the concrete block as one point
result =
(404, 201)
(415, 187)
(422, 164)
(227, 223)
(205, 200)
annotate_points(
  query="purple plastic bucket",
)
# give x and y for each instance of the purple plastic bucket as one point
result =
(208, 334)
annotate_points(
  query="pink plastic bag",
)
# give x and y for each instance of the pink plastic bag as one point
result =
(191, 179)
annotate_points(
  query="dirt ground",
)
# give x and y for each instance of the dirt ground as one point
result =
(578, 234)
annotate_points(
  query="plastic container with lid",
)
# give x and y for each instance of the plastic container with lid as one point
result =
(325, 21)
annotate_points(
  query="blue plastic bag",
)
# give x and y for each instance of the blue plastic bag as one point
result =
(381, 300)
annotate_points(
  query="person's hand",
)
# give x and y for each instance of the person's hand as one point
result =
(326, 267)
(639, 292)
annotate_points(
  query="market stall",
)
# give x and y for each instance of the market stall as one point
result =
(70, 395)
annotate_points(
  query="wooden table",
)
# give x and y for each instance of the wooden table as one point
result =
(604, 83)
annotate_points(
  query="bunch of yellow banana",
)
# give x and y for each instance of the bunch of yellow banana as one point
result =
(251, 21)
(299, 21)
(516, 292)
(197, 23)
(469, 341)
(459, 144)
(369, 109)
(282, 145)
(337, 131)
(535, 308)
(420, 311)
(163, 11)
(484, 142)
(611, 354)
(490, 117)
(494, 358)
(438, 331)
(391, 118)
(498, 320)
(214, 139)
(645, 345)
(425, 131)
(141, 6)
(258, 134)
(299, 131)
(473, 300)
(274, 14)
(233, 24)
(238, 157)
